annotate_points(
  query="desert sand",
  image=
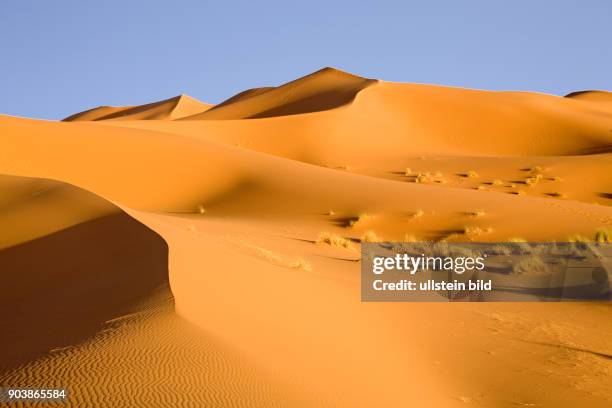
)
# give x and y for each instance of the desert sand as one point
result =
(169, 255)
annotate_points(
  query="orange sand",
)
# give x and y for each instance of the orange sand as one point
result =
(263, 315)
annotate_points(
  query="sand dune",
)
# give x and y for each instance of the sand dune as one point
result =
(325, 89)
(168, 109)
(32, 208)
(240, 193)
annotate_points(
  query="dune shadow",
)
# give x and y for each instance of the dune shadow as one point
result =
(60, 289)
(572, 348)
(605, 195)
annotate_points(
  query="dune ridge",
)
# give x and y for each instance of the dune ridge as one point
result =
(273, 169)
(325, 89)
(168, 109)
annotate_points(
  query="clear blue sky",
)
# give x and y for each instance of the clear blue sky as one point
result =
(58, 57)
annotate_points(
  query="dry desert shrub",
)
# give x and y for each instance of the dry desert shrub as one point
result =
(500, 249)
(474, 230)
(536, 169)
(408, 171)
(423, 178)
(530, 266)
(300, 264)
(370, 236)
(477, 213)
(521, 245)
(578, 238)
(334, 240)
(497, 182)
(471, 174)
(360, 219)
(556, 194)
(532, 181)
(417, 214)
(603, 236)
(201, 209)
(410, 238)
(273, 257)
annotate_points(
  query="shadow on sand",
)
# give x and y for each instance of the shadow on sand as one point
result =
(60, 289)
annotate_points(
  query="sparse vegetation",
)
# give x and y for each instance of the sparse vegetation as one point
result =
(300, 264)
(469, 174)
(477, 213)
(500, 250)
(359, 219)
(370, 236)
(556, 194)
(410, 238)
(417, 214)
(474, 230)
(531, 265)
(603, 236)
(578, 238)
(536, 169)
(201, 209)
(334, 240)
(408, 171)
(497, 182)
(531, 181)
(331, 212)
(423, 178)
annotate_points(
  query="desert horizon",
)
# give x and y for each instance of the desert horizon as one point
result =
(180, 253)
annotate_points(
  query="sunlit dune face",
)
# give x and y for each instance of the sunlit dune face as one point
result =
(218, 247)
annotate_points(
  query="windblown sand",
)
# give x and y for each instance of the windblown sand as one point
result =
(170, 254)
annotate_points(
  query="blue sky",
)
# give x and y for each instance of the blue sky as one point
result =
(59, 57)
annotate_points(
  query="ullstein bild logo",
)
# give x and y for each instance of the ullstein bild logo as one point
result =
(486, 272)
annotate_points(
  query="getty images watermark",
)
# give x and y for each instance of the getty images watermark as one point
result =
(486, 272)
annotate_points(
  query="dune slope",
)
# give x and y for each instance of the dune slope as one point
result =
(241, 202)
(168, 109)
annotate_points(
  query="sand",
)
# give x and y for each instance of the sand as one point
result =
(196, 227)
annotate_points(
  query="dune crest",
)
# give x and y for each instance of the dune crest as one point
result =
(237, 207)
(322, 90)
(168, 109)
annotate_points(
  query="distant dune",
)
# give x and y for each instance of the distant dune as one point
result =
(168, 109)
(184, 229)
(325, 89)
